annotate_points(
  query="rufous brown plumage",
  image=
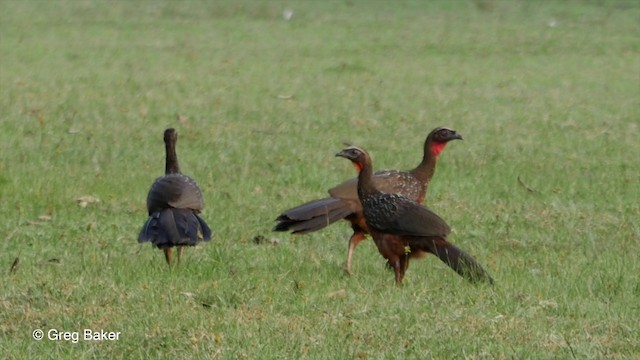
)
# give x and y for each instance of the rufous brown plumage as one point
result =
(343, 202)
(401, 228)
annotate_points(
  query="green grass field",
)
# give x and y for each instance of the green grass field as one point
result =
(547, 92)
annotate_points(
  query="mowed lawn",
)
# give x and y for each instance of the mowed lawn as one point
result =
(544, 191)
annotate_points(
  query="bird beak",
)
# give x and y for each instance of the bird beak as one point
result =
(457, 136)
(345, 154)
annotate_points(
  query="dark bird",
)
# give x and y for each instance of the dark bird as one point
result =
(343, 202)
(174, 202)
(402, 228)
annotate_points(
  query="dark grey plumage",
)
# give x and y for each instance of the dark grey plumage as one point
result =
(173, 203)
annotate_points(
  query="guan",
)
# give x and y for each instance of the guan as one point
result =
(403, 229)
(174, 202)
(343, 202)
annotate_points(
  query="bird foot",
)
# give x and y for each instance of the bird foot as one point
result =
(347, 271)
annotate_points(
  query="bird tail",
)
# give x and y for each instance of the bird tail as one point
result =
(171, 227)
(313, 216)
(461, 262)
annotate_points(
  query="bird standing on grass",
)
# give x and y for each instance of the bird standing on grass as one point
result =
(174, 202)
(401, 228)
(344, 203)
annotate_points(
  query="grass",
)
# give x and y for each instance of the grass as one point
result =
(546, 92)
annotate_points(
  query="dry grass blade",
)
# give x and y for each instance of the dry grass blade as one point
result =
(14, 265)
(527, 187)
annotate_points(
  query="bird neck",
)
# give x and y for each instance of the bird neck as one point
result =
(171, 166)
(427, 167)
(366, 187)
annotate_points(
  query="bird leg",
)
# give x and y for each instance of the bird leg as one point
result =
(397, 268)
(180, 251)
(401, 267)
(168, 255)
(404, 262)
(355, 239)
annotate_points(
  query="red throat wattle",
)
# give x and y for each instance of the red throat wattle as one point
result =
(357, 166)
(437, 147)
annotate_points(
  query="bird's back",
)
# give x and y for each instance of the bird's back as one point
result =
(174, 191)
(399, 215)
(387, 181)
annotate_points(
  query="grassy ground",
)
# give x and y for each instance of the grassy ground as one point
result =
(546, 92)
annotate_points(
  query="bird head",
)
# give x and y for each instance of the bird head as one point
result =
(170, 135)
(443, 134)
(439, 137)
(356, 155)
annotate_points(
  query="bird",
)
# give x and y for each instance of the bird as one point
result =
(173, 203)
(343, 201)
(403, 229)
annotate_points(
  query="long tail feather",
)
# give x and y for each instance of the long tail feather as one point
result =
(171, 227)
(461, 262)
(313, 216)
(205, 229)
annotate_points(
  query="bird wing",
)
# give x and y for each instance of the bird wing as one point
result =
(346, 190)
(176, 191)
(396, 214)
(388, 181)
